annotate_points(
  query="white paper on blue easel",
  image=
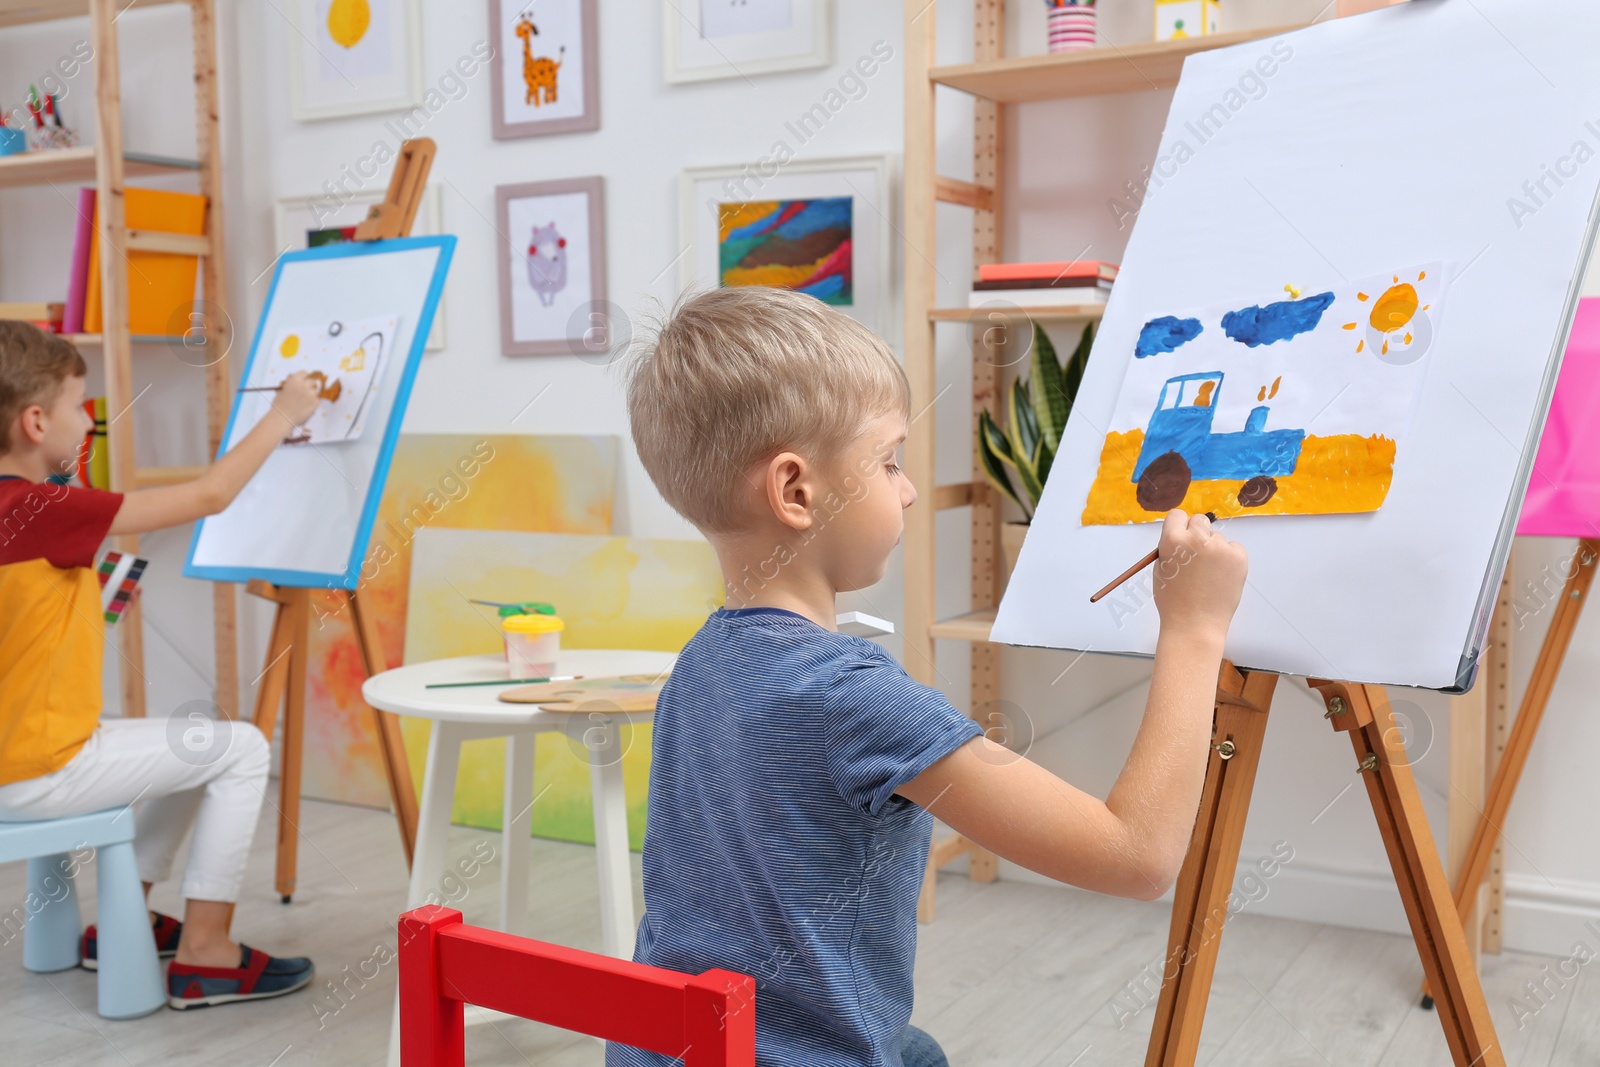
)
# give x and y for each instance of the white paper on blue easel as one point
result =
(1409, 135)
(305, 517)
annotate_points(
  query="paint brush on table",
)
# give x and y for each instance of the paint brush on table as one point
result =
(504, 681)
(1155, 554)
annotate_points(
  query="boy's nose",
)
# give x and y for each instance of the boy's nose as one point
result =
(908, 494)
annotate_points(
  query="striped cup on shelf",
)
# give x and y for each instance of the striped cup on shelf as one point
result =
(1072, 27)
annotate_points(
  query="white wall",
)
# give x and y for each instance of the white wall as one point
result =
(1066, 161)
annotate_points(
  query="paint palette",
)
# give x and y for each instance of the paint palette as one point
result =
(119, 574)
(623, 693)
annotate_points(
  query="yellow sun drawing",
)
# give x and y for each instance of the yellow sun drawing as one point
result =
(1397, 326)
(290, 347)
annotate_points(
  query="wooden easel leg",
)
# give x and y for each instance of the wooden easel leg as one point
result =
(391, 742)
(1200, 905)
(1363, 711)
(297, 605)
(1552, 652)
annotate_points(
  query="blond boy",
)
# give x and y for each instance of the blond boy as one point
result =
(795, 768)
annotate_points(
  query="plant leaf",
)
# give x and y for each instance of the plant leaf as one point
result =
(995, 452)
(1072, 373)
(1047, 388)
(1028, 473)
(1046, 460)
(1024, 424)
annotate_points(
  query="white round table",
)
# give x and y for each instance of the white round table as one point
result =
(466, 714)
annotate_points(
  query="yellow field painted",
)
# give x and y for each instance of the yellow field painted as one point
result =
(1335, 475)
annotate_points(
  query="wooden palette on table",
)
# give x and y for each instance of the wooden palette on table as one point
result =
(627, 692)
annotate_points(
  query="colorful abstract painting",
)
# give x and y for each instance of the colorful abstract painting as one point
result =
(804, 245)
(1294, 405)
(560, 484)
(611, 592)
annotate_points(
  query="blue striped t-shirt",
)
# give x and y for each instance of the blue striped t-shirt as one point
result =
(776, 847)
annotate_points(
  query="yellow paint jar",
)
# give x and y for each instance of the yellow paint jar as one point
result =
(532, 644)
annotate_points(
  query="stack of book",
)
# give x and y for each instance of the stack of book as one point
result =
(45, 316)
(1056, 284)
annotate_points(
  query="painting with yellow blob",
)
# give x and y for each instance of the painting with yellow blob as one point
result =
(611, 592)
(551, 483)
(346, 361)
(1296, 404)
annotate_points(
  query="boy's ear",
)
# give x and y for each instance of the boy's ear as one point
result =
(28, 428)
(789, 490)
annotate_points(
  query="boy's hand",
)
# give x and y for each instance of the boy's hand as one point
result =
(1199, 576)
(297, 398)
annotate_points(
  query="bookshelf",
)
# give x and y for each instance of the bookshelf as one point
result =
(109, 165)
(995, 81)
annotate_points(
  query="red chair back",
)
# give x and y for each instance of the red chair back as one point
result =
(707, 1020)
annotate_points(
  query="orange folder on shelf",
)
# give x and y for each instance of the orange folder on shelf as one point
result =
(160, 285)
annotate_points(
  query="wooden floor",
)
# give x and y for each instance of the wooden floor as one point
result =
(1009, 974)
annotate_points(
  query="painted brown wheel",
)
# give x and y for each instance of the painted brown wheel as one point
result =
(1257, 491)
(1164, 483)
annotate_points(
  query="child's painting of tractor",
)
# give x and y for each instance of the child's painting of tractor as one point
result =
(1269, 409)
(1180, 446)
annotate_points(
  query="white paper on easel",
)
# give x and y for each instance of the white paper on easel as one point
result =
(1435, 131)
(346, 360)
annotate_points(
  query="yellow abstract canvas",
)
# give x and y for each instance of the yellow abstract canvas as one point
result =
(611, 592)
(561, 484)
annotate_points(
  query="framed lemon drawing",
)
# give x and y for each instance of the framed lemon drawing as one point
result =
(353, 57)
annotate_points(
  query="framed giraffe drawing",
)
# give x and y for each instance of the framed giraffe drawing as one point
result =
(545, 77)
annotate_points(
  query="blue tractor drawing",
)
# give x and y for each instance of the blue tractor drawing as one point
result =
(1180, 448)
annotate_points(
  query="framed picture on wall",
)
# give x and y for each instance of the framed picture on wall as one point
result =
(545, 77)
(735, 38)
(820, 226)
(552, 253)
(353, 57)
(303, 221)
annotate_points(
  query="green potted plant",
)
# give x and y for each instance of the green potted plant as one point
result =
(1017, 459)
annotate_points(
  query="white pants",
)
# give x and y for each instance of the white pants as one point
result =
(212, 775)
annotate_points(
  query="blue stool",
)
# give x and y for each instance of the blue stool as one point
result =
(130, 972)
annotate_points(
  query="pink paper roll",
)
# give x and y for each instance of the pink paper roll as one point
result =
(1564, 494)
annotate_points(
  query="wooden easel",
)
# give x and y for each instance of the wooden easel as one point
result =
(283, 683)
(1201, 903)
(283, 680)
(1503, 786)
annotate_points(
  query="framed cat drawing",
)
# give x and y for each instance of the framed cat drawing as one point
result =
(553, 268)
(545, 75)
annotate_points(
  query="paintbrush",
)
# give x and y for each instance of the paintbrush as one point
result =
(1155, 554)
(504, 681)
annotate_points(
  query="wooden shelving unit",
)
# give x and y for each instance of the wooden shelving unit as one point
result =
(1095, 72)
(109, 165)
(995, 81)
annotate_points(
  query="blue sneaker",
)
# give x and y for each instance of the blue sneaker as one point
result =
(166, 929)
(257, 977)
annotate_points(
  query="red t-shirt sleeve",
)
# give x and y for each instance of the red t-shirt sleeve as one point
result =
(61, 524)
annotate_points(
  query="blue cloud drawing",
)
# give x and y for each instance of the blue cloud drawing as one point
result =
(1255, 326)
(1166, 334)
